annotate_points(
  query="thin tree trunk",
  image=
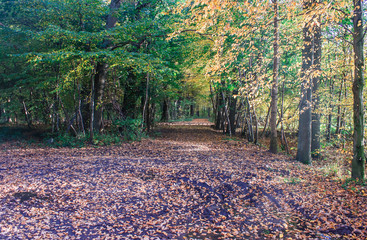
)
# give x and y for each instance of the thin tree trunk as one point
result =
(145, 120)
(92, 107)
(80, 116)
(256, 135)
(338, 119)
(266, 122)
(218, 118)
(359, 159)
(328, 134)
(274, 91)
(27, 115)
(227, 115)
(232, 113)
(284, 138)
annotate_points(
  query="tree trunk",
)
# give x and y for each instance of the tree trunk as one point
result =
(101, 70)
(266, 122)
(227, 115)
(328, 132)
(305, 118)
(165, 111)
(315, 143)
(27, 115)
(99, 85)
(218, 115)
(232, 113)
(92, 108)
(274, 91)
(146, 107)
(339, 114)
(256, 135)
(283, 137)
(358, 162)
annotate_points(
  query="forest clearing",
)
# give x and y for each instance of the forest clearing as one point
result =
(191, 182)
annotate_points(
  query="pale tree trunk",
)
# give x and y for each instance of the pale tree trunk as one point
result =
(274, 91)
(358, 162)
(305, 118)
(315, 142)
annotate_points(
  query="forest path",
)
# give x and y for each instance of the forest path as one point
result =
(189, 182)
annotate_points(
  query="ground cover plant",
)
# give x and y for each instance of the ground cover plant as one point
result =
(189, 182)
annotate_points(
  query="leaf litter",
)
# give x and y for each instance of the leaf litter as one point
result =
(191, 182)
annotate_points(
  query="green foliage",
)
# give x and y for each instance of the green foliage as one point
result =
(67, 140)
(292, 180)
(129, 129)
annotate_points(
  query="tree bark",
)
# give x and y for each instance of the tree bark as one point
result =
(315, 143)
(101, 70)
(145, 108)
(92, 108)
(330, 117)
(232, 112)
(165, 111)
(227, 115)
(274, 91)
(305, 118)
(359, 159)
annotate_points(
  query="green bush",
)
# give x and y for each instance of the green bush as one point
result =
(67, 140)
(130, 129)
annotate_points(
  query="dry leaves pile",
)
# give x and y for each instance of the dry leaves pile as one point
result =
(189, 183)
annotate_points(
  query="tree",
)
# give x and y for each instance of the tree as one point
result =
(101, 75)
(274, 91)
(359, 158)
(305, 119)
(315, 126)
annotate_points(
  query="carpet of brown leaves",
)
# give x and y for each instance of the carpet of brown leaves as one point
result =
(191, 182)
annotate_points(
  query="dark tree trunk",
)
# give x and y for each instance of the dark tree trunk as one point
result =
(232, 113)
(192, 110)
(99, 85)
(274, 91)
(92, 108)
(165, 111)
(101, 71)
(226, 112)
(218, 118)
(315, 143)
(359, 159)
(305, 118)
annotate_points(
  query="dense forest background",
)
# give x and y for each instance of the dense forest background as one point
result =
(94, 70)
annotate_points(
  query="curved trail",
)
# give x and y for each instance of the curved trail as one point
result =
(190, 182)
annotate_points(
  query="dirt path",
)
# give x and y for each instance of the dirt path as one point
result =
(190, 182)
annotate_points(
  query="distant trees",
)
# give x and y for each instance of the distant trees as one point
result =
(82, 65)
